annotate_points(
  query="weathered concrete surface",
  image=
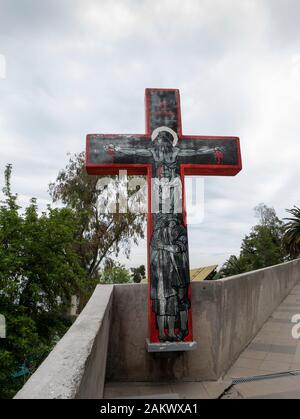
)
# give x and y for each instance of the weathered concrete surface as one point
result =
(76, 366)
(274, 349)
(248, 303)
(227, 314)
(168, 390)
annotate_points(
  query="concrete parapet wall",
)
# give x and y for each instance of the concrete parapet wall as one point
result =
(227, 314)
(76, 366)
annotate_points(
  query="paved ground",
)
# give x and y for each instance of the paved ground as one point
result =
(192, 390)
(272, 351)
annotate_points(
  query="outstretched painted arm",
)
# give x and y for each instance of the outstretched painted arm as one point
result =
(191, 152)
(129, 151)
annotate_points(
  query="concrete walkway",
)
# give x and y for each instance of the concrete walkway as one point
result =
(273, 351)
(187, 390)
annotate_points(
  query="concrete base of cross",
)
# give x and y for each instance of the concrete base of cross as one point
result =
(170, 346)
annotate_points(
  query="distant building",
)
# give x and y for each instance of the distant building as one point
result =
(204, 273)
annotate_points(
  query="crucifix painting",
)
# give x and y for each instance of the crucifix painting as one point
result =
(165, 156)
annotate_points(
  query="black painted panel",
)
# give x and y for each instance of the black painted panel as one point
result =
(163, 107)
(134, 150)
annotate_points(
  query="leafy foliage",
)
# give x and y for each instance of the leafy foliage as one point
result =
(138, 273)
(292, 232)
(233, 266)
(115, 273)
(262, 247)
(101, 235)
(39, 271)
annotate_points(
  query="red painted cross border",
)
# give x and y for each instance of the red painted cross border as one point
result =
(165, 154)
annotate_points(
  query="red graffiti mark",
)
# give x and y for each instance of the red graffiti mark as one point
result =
(163, 108)
(110, 152)
(219, 156)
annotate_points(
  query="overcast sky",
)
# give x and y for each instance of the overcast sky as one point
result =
(72, 67)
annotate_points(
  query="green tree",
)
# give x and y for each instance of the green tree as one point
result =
(233, 266)
(292, 232)
(262, 247)
(115, 273)
(39, 271)
(101, 235)
(138, 273)
(266, 215)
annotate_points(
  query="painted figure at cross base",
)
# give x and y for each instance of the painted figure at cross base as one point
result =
(169, 263)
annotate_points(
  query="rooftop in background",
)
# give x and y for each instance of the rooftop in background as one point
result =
(197, 274)
(200, 274)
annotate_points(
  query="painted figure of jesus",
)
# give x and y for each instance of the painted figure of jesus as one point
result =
(169, 264)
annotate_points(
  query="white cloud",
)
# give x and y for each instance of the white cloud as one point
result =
(81, 66)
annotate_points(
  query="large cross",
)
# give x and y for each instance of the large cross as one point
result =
(165, 156)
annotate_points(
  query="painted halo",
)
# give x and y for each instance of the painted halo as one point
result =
(160, 129)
